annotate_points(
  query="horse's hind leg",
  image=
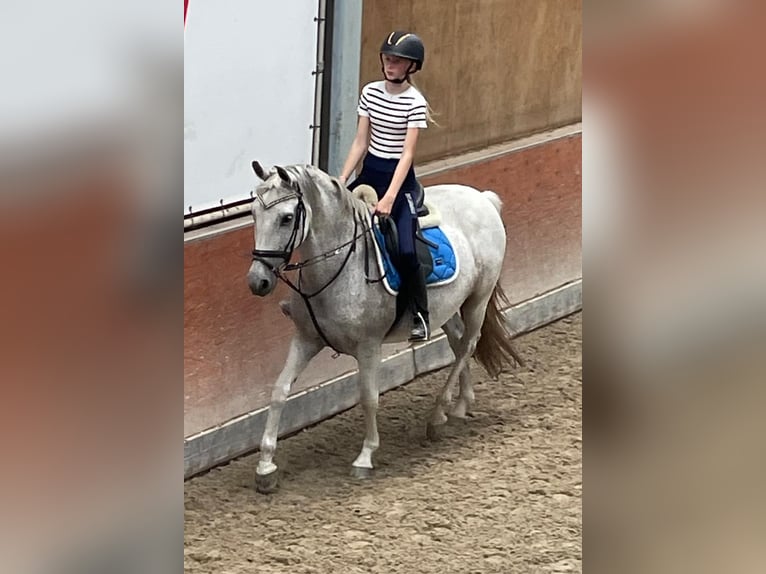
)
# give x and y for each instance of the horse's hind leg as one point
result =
(454, 330)
(302, 350)
(368, 360)
(473, 317)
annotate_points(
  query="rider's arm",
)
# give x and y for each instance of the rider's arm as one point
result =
(358, 147)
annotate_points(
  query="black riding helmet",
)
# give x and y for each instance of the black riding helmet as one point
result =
(404, 45)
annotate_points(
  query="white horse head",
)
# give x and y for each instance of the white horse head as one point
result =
(282, 220)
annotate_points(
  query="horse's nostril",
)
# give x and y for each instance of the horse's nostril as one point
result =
(263, 285)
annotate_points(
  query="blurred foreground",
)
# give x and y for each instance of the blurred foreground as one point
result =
(90, 296)
(674, 227)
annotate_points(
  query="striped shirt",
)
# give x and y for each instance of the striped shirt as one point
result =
(390, 116)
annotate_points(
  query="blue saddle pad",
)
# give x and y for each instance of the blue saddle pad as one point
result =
(443, 256)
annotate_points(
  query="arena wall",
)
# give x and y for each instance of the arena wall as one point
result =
(235, 344)
(504, 78)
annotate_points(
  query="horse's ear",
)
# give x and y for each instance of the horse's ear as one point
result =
(284, 176)
(337, 185)
(259, 171)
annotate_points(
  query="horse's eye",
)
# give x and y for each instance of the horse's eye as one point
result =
(286, 219)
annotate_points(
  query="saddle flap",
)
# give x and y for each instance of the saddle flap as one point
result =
(390, 239)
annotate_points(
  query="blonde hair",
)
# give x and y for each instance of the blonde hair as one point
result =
(430, 113)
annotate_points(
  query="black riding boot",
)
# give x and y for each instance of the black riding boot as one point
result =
(420, 329)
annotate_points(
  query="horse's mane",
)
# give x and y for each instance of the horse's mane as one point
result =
(317, 181)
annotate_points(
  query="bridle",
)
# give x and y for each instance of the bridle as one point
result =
(299, 222)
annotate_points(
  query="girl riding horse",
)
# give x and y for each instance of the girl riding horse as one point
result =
(391, 114)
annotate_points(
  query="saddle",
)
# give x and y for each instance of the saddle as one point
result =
(426, 218)
(432, 246)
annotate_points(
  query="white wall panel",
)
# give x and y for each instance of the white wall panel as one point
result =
(248, 93)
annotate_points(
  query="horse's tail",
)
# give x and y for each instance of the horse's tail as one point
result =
(494, 199)
(495, 348)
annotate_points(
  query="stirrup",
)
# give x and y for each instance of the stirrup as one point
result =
(420, 329)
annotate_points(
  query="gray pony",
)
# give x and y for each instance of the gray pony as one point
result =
(303, 211)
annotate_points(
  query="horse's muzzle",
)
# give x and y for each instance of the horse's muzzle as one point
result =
(260, 279)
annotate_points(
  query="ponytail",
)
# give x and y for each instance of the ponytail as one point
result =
(430, 113)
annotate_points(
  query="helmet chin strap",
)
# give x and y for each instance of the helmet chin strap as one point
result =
(397, 80)
(406, 77)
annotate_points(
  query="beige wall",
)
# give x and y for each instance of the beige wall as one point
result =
(495, 70)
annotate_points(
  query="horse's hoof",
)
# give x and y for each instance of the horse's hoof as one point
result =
(461, 410)
(457, 415)
(267, 483)
(362, 473)
(434, 432)
(457, 419)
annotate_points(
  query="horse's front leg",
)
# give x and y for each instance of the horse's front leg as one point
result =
(302, 350)
(369, 362)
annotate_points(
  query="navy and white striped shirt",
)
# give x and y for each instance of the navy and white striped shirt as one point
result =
(390, 116)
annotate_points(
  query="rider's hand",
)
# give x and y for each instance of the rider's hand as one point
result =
(342, 180)
(384, 205)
